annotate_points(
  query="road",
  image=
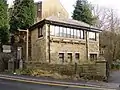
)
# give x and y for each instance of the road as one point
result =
(16, 85)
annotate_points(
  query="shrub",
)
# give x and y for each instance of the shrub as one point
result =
(24, 71)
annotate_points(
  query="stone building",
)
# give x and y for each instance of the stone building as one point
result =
(61, 41)
(57, 39)
(48, 8)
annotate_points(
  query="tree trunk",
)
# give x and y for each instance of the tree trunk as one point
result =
(1, 47)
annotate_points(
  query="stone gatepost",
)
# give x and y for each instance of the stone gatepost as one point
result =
(11, 65)
(101, 68)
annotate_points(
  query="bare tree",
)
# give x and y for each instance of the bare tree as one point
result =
(110, 37)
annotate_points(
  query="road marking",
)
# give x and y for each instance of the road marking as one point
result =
(54, 84)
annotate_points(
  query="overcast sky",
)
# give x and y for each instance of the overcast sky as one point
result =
(68, 4)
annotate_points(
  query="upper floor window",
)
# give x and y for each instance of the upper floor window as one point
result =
(66, 32)
(40, 32)
(61, 32)
(75, 33)
(57, 30)
(92, 35)
(52, 30)
(82, 34)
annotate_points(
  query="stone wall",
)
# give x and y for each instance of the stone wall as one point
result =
(97, 68)
(67, 47)
(93, 46)
(38, 45)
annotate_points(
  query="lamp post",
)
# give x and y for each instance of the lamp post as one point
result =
(27, 36)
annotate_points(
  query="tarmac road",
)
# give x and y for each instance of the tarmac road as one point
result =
(17, 85)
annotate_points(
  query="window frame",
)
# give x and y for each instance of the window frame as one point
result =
(71, 57)
(94, 39)
(62, 58)
(78, 56)
(94, 56)
(40, 32)
(52, 30)
(55, 30)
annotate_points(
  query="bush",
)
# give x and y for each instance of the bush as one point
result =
(115, 66)
(4, 58)
(24, 72)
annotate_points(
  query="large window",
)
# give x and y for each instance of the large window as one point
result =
(61, 32)
(82, 34)
(75, 33)
(78, 34)
(57, 30)
(66, 32)
(40, 32)
(52, 30)
(61, 57)
(92, 35)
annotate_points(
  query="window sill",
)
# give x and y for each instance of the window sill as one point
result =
(64, 39)
(93, 41)
(40, 38)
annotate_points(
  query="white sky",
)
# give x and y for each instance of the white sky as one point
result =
(68, 4)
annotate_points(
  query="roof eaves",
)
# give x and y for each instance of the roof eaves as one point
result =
(36, 24)
(77, 26)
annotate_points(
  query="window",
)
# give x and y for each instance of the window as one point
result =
(70, 57)
(78, 34)
(92, 35)
(61, 57)
(72, 33)
(40, 32)
(57, 29)
(77, 56)
(82, 34)
(61, 31)
(93, 56)
(52, 30)
(75, 33)
(65, 31)
(68, 32)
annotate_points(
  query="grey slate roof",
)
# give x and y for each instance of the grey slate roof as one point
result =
(70, 21)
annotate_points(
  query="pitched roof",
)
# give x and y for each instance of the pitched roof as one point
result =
(68, 22)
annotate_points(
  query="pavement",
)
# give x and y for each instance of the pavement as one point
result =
(51, 84)
(114, 77)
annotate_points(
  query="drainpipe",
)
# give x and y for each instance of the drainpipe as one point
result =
(86, 45)
(49, 42)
